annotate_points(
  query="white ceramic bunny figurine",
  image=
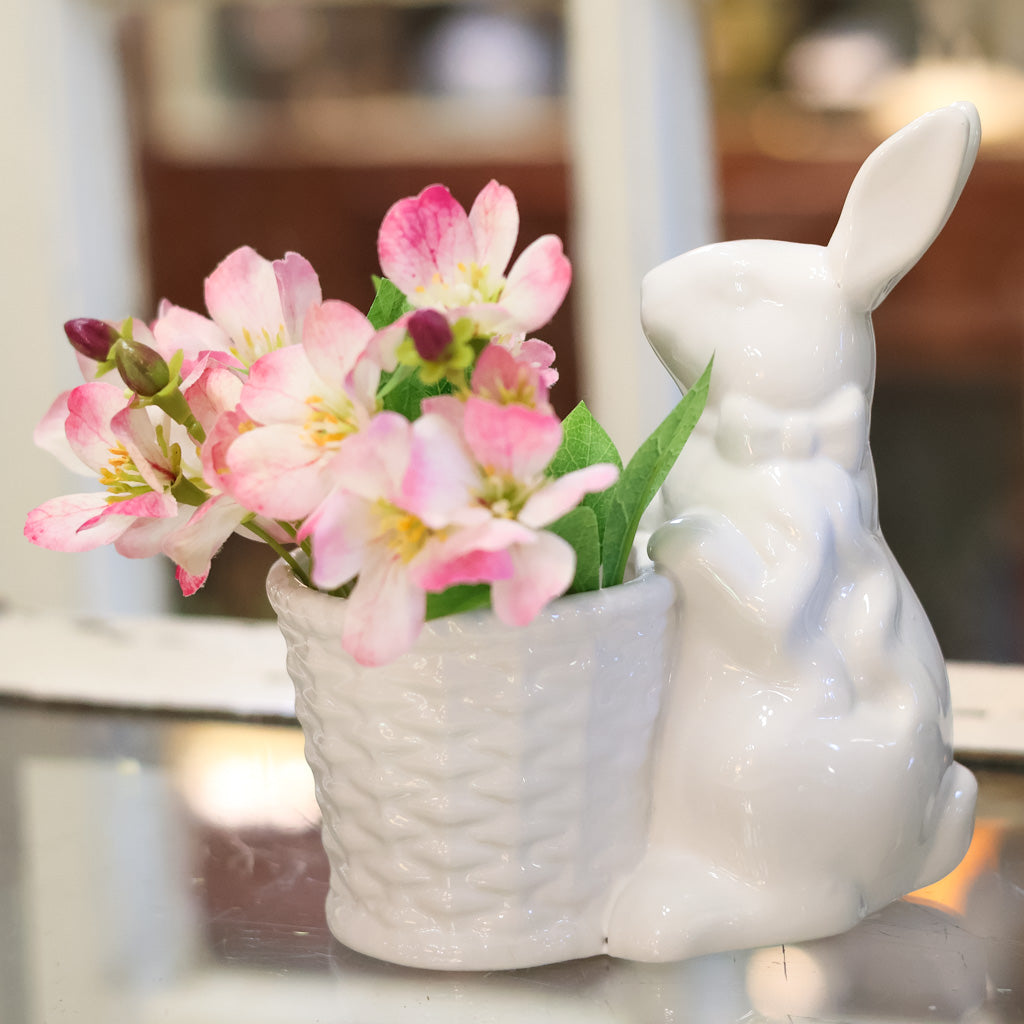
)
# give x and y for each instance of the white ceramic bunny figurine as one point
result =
(803, 776)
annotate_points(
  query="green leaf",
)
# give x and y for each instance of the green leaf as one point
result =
(388, 303)
(584, 442)
(408, 395)
(579, 528)
(461, 598)
(402, 391)
(646, 472)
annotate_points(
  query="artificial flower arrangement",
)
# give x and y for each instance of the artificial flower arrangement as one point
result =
(407, 459)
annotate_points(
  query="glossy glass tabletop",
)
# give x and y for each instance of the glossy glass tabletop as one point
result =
(167, 868)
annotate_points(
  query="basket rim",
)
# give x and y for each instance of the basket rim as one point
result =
(651, 593)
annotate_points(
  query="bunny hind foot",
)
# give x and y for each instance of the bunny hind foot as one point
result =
(676, 905)
(958, 794)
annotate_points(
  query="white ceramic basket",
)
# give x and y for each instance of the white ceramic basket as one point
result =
(483, 794)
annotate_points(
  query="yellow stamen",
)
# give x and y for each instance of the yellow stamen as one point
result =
(326, 425)
(402, 532)
(121, 476)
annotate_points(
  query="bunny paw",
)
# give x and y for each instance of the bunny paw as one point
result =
(677, 905)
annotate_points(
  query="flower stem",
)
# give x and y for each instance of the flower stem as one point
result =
(173, 402)
(249, 522)
(401, 374)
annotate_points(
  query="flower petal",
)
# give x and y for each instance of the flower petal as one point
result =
(472, 567)
(448, 407)
(373, 462)
(476, 554)
(227, 428)
(189, 584)
(179, 328)
(537, 283)
(243, 298)
(502, 377)
(277, 472)
(385, 613)
(556, 498)
(135, 431)
(422, 236)
(58, 524)
(91, 407)
(339, 529)
(440, 478)
(299, 289)
(149, 505)
(538, 354)
(278, 386)
(335, 337)
(383, 350)
(145, 536)
(511, 439)
(494, 220)
(543, 570)
(50, 434)
(216, 391)
(193, 545)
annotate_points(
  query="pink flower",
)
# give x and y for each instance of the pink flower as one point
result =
(298, 407)
(404, 518)
(512, 445)
(155, 496)
(444, 259)
(255, 305)
(135, 463)
(536, 353)
(502, 378)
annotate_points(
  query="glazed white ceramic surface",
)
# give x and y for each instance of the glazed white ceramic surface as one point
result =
(484, 794)
(804, 774)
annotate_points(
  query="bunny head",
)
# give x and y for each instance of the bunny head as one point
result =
(788, 323)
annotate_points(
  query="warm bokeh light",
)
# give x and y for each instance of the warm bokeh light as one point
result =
(997, 90)
(239, 776)
(951, 892)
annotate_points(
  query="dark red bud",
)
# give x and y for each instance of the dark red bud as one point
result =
(142, 368)
(92, 338)
(430, 334)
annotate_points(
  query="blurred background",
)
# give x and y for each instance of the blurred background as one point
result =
(146, 140)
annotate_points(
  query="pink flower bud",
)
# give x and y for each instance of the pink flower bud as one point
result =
(430, 334)
(92, 338)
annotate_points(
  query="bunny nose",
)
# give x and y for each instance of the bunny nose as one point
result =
(656, 294)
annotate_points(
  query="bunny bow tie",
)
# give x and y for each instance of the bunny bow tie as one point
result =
(750, 431)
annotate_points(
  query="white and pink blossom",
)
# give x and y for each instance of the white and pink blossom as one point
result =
(300, 404)
(513, 446)
(155, 497)
(403, 520)
(131, 452)
(267, 417)
(255, 307)
(443, 258)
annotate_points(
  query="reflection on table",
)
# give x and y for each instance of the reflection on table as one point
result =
(168, 868)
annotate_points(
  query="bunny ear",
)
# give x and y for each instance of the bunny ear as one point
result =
(899, 201)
